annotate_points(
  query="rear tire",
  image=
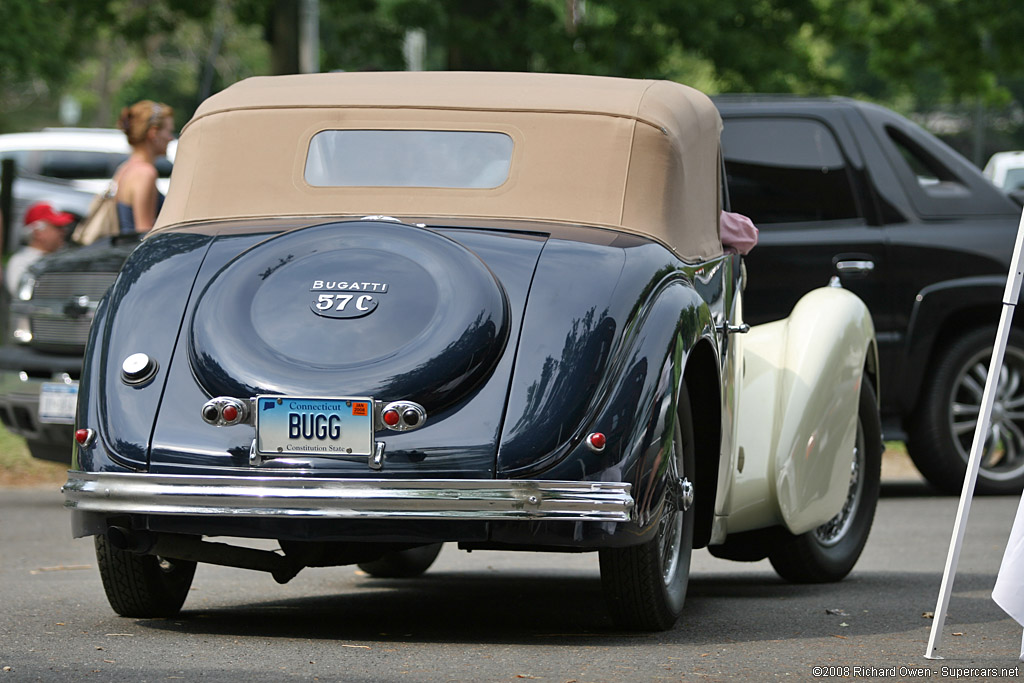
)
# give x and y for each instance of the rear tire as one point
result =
(941, 432)
(53, 452)
(143, 586)
(645, 585)
(828, 553)
(403, 564)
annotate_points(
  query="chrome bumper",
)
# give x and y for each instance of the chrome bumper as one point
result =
(474, 499)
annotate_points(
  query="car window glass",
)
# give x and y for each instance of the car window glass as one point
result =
(931, 174)
(786, 170)
(408, 158)
(163, 167)
(79, 165)
(1014, 180)
(20, 157)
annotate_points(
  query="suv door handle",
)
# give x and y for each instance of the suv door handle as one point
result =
(855, 266)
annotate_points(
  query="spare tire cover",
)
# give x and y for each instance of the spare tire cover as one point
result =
(384, 310)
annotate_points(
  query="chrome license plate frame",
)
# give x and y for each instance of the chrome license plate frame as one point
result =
(314, 426)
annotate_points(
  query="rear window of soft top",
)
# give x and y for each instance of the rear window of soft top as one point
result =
(408, 158)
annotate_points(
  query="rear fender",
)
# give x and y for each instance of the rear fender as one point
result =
(798, 413)
(635, 406)
(140, 314)
(665, 349)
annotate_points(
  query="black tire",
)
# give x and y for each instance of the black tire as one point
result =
(143, 586)
(403, 564)
(53, 452)
(941, 431)
(645, 585)
(828, 553)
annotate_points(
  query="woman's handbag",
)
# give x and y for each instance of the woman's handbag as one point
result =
(101, 221)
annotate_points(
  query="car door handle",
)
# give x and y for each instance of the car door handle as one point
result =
(729, 328)
(855, 266)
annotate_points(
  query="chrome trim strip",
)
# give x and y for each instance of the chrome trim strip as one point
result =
(471, 499)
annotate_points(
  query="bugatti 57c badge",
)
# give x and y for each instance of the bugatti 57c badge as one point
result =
(344, 299)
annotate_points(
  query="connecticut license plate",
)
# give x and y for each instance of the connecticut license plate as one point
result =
(297, 425)
(57, 401)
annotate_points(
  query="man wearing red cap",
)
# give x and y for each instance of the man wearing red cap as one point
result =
(44, 230)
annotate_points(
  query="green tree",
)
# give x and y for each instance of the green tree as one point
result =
(108, 52)
(716, 44)
(944, 50)
(38, 40)
(904, 53)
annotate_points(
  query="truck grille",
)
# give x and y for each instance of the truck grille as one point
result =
(60, 331)
(68, 285)
(72, 331)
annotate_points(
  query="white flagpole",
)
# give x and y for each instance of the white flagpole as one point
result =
(1010, 294)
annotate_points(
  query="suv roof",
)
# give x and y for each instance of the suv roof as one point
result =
(776, 103)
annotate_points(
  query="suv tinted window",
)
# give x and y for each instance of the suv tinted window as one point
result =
(786, 170)
(932, 175)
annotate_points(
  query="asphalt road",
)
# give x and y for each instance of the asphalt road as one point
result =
(490, 616)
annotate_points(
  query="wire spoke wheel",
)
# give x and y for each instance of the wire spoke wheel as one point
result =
(829, 552)
(645, 585)
(670, 528)
(834, 530)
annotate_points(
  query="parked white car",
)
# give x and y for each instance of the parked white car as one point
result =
(67, 166)
(1006, 170)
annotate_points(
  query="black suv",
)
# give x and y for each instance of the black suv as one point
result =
(848, 190)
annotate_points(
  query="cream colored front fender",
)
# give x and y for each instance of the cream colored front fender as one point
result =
(798, 413)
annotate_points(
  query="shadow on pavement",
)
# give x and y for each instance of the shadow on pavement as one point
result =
(518, 608)
(909, 489)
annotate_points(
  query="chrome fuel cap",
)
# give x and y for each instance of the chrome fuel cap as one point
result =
(138, 368)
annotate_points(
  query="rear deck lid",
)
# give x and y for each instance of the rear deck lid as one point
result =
(384, 310)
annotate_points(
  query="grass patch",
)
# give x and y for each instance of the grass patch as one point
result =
(896, 447)
(18, 468)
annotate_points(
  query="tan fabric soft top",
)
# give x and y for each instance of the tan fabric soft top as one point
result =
(634, 155)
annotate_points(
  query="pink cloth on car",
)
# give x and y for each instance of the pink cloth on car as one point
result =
(739, 233)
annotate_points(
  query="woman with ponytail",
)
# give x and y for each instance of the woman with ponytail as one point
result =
(150, 128)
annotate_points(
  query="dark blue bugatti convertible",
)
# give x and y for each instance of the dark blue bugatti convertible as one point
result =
(381, 312)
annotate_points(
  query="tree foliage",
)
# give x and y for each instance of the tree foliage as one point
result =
(943, 49)
(37, 43)
(109, 52)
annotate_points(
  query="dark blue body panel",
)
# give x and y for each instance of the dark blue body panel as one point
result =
(590, 332)
(140, 313)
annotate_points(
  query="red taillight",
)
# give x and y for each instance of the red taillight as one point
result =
(391, 417)
(596, 441)
(84, 437)
(230, 413)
